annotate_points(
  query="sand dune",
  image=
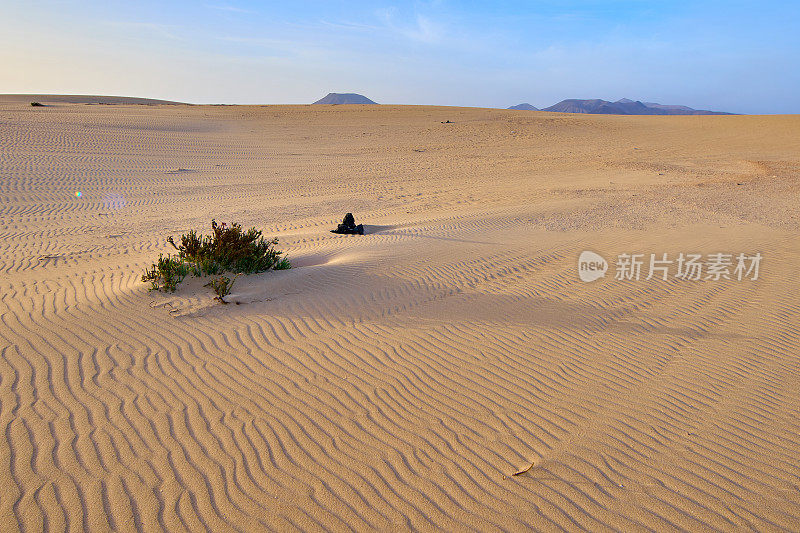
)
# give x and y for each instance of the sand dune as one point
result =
(397, 380)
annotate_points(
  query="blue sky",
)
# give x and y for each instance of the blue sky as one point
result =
(732, 56)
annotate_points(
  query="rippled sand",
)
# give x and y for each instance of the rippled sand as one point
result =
(397, 380)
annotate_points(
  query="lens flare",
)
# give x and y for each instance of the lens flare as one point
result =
(114, 201)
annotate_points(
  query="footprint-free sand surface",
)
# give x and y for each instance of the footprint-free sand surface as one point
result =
(398, 380)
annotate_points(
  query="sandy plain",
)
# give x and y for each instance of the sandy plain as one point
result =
(397, 380)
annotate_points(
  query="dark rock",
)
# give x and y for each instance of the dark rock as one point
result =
(348, 226)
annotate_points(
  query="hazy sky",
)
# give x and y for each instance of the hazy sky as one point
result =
(726, 55)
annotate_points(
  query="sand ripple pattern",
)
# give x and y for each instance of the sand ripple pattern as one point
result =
(390, 382)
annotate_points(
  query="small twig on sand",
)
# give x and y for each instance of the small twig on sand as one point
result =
(523, 471)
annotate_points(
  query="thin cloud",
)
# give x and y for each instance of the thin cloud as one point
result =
(230, 8)
(350, 25)
(270, 48)
(422, 30)
(163, 30)
(425, 31)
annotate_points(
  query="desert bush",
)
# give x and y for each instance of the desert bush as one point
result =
(222, 286)
(166, 273)
(227, 249)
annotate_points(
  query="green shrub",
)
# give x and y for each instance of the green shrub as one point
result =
(282, 264)
(227, 249)
(222, 286)
(165, 274)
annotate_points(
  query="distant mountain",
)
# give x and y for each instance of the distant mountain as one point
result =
(625, 107)
(83, 99)
(662, 106)
(524, 107)
(344, 98)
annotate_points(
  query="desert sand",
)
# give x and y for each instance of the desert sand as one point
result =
(397, 380)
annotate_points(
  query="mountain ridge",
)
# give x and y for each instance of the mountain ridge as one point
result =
(623, 106)
(85, 99)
